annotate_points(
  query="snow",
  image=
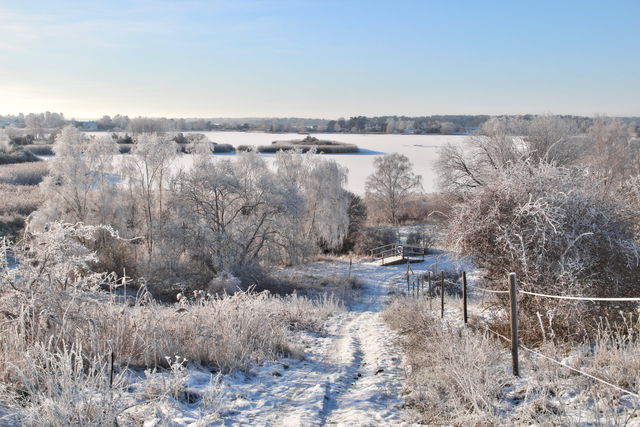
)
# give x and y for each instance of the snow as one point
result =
(422, 150)
(351, 374)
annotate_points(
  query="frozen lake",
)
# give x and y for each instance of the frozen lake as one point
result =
(422, 150)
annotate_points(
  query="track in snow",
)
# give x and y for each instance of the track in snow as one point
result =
(350, 376)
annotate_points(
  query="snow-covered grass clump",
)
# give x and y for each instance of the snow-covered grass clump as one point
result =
(461, 375)
(69, 345)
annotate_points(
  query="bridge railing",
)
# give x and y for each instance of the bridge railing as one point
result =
(396, 249)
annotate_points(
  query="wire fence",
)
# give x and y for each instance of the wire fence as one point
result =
(513, 292)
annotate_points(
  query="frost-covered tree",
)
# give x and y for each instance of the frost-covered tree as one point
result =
(146, 172)
(501, 142)
(5, 146)
(231, 214)
(391, 183)
(321, 183)
(78, 188)
(612, 155)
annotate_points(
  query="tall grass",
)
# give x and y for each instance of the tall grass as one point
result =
(327, 148)
(23, 173)
(17, 156)
(59, 333)
(462, 376)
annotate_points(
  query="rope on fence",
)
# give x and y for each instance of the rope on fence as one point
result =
(571, 368)
(489, 290)
(578, 298)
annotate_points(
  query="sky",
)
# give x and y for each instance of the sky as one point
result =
(319, 58)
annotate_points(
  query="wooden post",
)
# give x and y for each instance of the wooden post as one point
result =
(350, 265)
(430, 293)
(408, 282)
(442, 294)
(113, 356)
(464, 296)
(513, 294)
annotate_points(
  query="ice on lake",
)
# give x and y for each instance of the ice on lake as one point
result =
(422, 150)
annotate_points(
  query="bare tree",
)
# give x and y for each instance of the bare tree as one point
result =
(232, 213)
(146, 170)
(392, 182)
(612, 155)
(501, 142)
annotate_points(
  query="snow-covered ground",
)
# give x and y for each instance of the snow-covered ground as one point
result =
(352, 374)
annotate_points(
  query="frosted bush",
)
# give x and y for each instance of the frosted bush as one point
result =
(224, 282)
(560, 232)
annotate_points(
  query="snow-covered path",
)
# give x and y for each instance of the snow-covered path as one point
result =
(352, 375)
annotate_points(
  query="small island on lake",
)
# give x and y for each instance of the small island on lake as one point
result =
(309, 143)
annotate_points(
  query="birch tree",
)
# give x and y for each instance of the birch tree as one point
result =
(392, 182)
(146, 171)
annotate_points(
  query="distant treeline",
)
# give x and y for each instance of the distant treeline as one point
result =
(37, 126)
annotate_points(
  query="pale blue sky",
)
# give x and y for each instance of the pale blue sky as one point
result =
(319, 58)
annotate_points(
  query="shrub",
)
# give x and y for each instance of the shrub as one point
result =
(357, 219)
(125, 148)
(17, 156)
(422, 237)
(40, 149)
(561, 233)
(373, 237)
(223, 148)
(22, 140)
(329, 147)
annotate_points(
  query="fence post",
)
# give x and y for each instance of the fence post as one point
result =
(430, 293)
(513, 294)
(112, 359)
(464, 296)
(408, 282)
(442, 294)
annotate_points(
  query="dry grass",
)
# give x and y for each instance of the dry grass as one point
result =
(23, 173)
(456, 376)
(20, 194)
(18, 201)
(54, 355)
(327, 147)
(59, 332)
(461, 376)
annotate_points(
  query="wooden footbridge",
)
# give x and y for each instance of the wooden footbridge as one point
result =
(395, 253)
